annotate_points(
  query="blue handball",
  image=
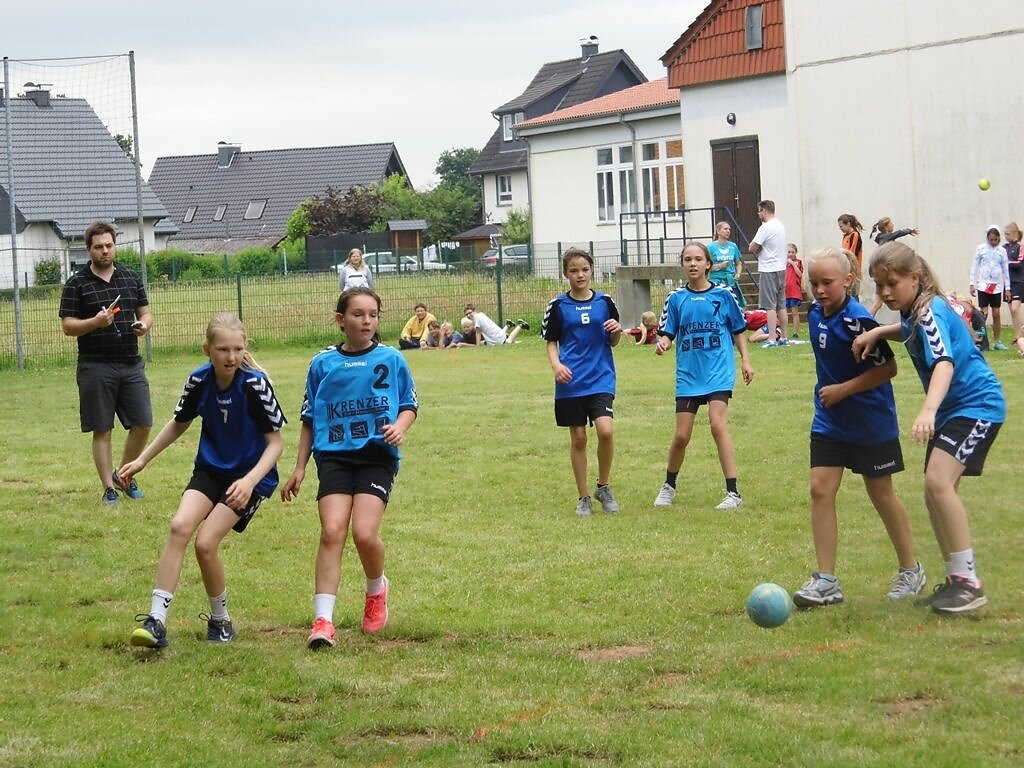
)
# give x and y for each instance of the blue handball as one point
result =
(769, 605)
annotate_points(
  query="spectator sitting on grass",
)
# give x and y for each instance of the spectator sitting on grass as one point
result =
(439, 335)
(488, 331)
(468, 336)
(415, 329)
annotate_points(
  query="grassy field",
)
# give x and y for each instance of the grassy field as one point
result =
(520, 634)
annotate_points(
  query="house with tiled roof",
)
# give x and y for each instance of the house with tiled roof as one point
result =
(232, 199)
(870, 107)
(68, 172)
(607, 174)
(502, 164)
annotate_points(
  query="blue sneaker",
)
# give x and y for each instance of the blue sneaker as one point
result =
(110, 497)
(769, 344)
(131, 490)
(783, 341)
(218, 630)
(152, 633)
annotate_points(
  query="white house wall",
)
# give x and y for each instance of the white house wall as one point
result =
(498, 214)
(36, 243)
(900, 108)
(762, 110)
(563, 177)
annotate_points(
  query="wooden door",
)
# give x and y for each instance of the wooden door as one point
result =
(737, 179)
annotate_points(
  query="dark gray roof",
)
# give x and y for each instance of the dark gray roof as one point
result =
(68, 170)
(407, 225)
(484, 230)
(282, 177)
(557, 85)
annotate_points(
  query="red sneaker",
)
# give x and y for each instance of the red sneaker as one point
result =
(322, 635)
(375, 614)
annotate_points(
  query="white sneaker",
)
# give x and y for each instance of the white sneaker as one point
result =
(908, 582)
(665, 496)
(583, 506)
(731, 501)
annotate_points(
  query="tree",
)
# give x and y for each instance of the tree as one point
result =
(355, 211)
(398, 201)
(516, 228)
(125, 143)
(453, 169)
(448, 211)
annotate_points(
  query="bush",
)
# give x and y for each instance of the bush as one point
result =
(129, 258)
(48, 271)
(256, 261)
(170, 263)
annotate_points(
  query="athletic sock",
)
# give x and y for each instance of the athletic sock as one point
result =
(160, 604)
(670, 478)
(602, 485)
(963, 565)
(949, 567)
(219, 606)
(730, 485)
(323, 606)
(375, 586)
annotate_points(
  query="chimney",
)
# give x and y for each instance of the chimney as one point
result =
(226, 153)
(588, 47)
(40, 96)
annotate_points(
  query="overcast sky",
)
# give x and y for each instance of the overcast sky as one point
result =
(300, 74)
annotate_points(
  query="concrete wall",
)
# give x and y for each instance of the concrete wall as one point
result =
(900, 108)
(762, 109)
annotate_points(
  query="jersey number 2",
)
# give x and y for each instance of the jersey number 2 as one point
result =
(382, 374)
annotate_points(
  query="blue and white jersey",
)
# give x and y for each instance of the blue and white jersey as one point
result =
(940, 334)
(235, 421)
(702, 323)
(866, 418)
(351, 396)
(584, 346)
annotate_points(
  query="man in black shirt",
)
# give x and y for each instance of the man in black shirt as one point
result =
(105, 307)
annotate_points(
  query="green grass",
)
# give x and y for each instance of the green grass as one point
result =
(520, 634)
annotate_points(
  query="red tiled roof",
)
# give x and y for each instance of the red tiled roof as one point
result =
(713, 48)
(639, 97)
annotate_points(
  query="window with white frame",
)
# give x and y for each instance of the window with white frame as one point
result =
(507, 121)
(218, 214)
(190, 214)
(503, 186)
(661, 179)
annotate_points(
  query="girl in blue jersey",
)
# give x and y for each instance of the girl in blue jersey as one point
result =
(726, 261)
(706, 322)
(963, 409)
(581, 326)
(359, 401)
(235, 470)
(854, 427)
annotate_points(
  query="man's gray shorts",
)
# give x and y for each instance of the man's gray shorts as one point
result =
(771, 290)
(108, 388)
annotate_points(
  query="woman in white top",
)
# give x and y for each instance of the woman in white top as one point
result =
(354, 272)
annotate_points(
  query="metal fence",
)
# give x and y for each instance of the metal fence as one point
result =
(298, 308)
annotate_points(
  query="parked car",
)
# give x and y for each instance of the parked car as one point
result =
(513, 257)
(384, 262)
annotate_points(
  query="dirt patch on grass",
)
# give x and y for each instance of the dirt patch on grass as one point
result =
(413, 738)
(613, 652)
(906, 706)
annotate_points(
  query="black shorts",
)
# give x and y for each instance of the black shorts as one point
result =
(583, 411)
(876, 460)
(691, 404)
(108, 388)
(1016, 290)
(994, 300)
(214, 487)
(342, 475)
(967, 441)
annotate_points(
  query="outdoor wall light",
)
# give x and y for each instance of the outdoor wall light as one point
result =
(731, 118)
